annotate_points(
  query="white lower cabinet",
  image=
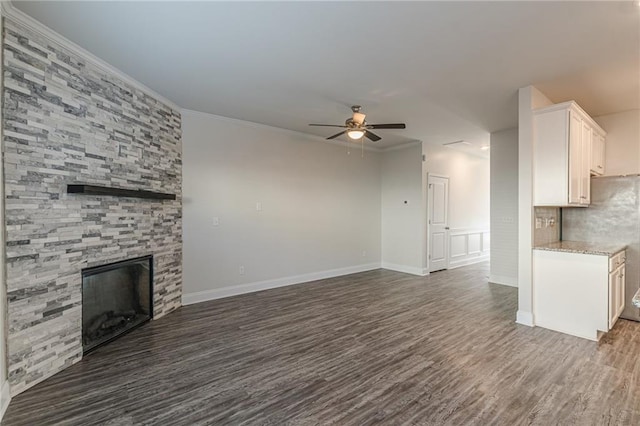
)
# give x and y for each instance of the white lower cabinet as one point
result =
(616, 294)
(576, 293)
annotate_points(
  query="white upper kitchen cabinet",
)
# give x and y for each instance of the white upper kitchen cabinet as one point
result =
(597, 154)
(563, 156)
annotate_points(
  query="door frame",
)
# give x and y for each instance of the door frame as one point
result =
(428, 227)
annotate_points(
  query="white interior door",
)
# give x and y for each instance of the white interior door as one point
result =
(438, 222)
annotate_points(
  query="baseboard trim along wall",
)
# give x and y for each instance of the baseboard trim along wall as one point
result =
(5, 398)
(235, 290)
(525, 318)
(453, 264)
(404, 268)
(502, 280)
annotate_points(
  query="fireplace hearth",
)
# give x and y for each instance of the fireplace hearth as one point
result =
(116, 298)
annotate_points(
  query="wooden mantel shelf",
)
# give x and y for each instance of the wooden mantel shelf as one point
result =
(117, 192)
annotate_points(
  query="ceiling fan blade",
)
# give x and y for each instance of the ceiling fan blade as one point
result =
(387, 126)
(328, 125)
(372, 136)
(336, 135)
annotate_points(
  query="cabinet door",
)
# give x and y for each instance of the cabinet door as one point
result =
(585, 154)
(575, 158)
(620, 291)
(597, 154)
(603, 151)
(613, 294)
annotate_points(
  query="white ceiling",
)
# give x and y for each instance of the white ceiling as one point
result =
(450, 70)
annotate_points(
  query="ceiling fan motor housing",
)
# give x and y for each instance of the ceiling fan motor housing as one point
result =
(352, 124)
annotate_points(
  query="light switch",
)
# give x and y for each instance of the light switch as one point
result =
(216, 221)
(259, 206)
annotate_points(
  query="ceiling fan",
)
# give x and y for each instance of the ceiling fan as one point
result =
(356, 126)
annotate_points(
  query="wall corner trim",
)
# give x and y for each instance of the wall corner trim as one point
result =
(503, 280)
(5, 398)
(525, 318)
(9, 10)
(235, 290)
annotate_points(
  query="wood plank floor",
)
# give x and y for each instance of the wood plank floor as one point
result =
(378, 347)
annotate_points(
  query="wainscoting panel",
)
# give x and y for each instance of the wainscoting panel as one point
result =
(457, 246)
(467, 246)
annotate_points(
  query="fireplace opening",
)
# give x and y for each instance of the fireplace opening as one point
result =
(116, 298)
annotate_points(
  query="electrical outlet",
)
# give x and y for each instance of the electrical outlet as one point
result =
(538, 222)
(259, 206)
(364, 253)
(242, 270)
(216, 221)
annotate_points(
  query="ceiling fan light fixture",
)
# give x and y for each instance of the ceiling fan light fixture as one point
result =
(355, 134)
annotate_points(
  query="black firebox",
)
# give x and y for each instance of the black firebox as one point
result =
(116, 298)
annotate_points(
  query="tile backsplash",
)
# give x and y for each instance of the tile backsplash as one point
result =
(546, 225)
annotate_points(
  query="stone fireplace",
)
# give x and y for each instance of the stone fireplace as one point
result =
(69, 120)
(116, 298)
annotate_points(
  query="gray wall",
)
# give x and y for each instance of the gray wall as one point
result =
(401, 180)
(319, 207)
(67, 121)
(504, 207)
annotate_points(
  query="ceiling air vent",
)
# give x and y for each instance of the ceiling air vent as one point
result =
(456, 143)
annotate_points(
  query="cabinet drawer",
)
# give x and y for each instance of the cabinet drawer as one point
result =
(616, 260)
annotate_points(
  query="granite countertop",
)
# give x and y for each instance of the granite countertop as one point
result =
(582, 247)
(636, 299)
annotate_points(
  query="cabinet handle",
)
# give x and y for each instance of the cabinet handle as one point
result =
(583, 197)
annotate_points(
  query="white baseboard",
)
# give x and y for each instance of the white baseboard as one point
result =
(404, 268)
(594, 337)
(504, 280)
(468, 261)
(5, 398)
(525, 318)
(219, 293)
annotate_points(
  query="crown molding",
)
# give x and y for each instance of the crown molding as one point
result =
(255, 125)
(401, 146)
(8, 10)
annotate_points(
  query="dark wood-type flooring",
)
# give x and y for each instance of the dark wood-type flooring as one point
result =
(378, 347)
